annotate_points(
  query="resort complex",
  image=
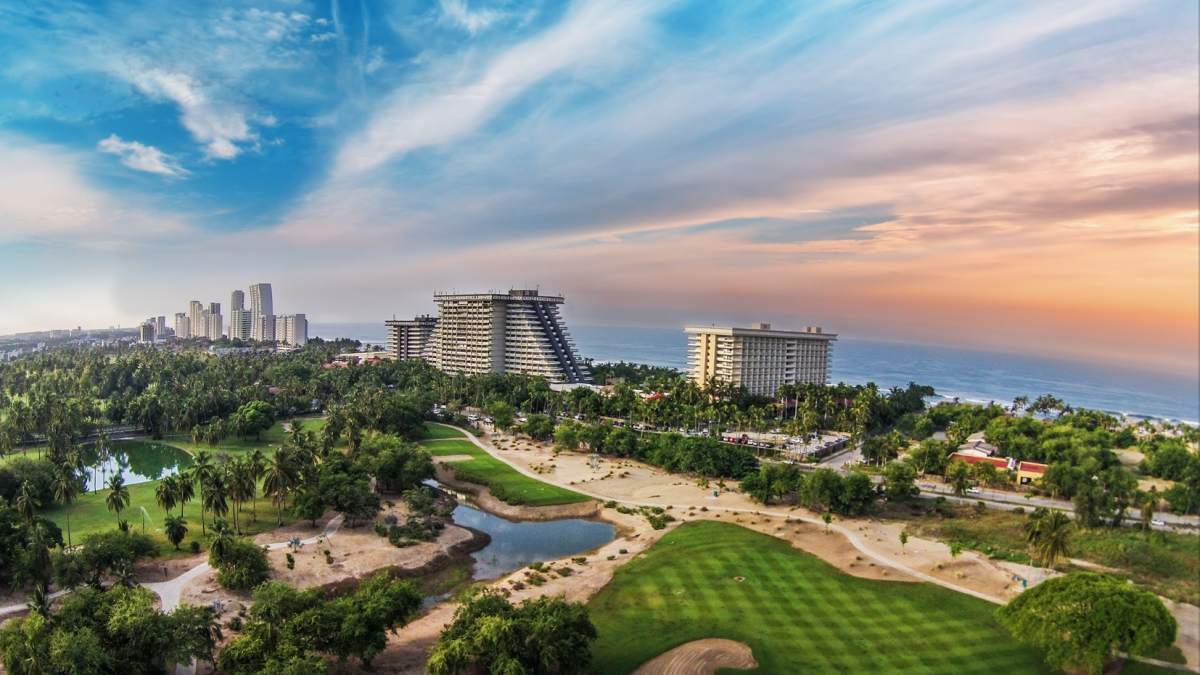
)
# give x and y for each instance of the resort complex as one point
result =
(759, 358)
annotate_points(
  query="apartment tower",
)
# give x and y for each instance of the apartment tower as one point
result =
(408, 339)
(759, 358)
(517, 332)
(262, 313)
(291, 329)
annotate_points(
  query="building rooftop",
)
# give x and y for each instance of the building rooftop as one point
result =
(763, 330)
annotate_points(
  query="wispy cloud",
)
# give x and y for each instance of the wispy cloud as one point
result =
(473, 22)
(421, 117)
(141, 157)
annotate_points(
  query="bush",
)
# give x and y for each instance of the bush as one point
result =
(235, 624)
(610, 504)
(194, 546)
(241, 566)
(291, 561)
(381, 529)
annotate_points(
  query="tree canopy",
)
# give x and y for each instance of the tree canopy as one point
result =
(1084, 619)
(491, 635)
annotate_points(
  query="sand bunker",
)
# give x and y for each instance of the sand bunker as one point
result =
(701, 657)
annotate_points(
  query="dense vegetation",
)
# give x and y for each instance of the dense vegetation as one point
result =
(491, 635)
(102, 632)
(288, 631)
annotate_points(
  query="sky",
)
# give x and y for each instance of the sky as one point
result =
(1009, 175)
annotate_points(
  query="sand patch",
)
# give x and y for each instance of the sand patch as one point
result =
(701, 657)
(454, 458)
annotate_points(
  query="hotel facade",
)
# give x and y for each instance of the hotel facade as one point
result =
(759, 358)
(515, 332)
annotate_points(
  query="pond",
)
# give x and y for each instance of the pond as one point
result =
(138, 461)
(516, 544)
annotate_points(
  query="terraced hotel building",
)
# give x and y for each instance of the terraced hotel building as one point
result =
(515, 332)
(758, 357)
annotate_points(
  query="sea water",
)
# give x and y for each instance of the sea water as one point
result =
(969, 375)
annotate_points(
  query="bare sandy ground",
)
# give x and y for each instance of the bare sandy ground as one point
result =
(701, 657)
(356, 553)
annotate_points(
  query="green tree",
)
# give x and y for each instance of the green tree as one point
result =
(254, 418)
(566, 435)
(956, 549)
(279, 478)
(66, 488)
(166, 494)
(903, 538)
(958, 477)
(27, 504)
(491, 635)
(175, 527)
(118, 495)
(1049, 533)
(827, 518)
(538, 426)
(900, 481)
(1083, 620)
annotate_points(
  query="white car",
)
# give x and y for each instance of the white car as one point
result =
(974, 491)
(1158, 523)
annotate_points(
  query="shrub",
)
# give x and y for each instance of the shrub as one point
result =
(291, 561)
(610, 504)
(241, 566)
(579, 561)
(194, 546)
(536, 579)
(622, 551)
(381, 529)
(235, 623)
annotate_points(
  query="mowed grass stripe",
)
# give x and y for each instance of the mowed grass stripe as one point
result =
(797, 613)
(533, 492)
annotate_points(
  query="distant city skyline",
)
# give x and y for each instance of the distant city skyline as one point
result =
(1009, 176)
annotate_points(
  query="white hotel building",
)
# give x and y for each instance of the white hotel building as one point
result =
(759, 358)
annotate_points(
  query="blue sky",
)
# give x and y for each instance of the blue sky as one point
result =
(957, 172)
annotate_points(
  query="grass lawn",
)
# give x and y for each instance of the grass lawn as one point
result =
(531, 492)
(90, 514)
(1170, 568)
(235, 446)
(797, 613)
(436, 431)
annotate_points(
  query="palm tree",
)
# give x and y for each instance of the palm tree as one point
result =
(185, 487)
(202, 472)
(103, 446)
(257, 464)
(27, 504)
(214, 496)
(39, 601)
(279, 478)
(118, 495)
(165, 493)
(1150, 500)
(65, 491)
(175, 527)
(1049, 532)
(242, 487)
(222, 537)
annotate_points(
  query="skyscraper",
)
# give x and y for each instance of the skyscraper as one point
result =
(291, 329)
(237, 300)
(197, 325)
(183, 325)
(240, 324)
(261, 307)
(517, 332)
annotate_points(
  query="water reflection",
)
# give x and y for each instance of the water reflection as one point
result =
(515, 545)
(138, 461)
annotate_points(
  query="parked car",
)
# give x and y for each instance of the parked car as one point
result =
(974, 491)
(1158, 523)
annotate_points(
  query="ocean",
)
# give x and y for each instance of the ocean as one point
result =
(969, 375)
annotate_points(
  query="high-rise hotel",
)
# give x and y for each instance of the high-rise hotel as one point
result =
(759, 358)
(515, 332)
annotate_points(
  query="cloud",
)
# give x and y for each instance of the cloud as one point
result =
(218, 125)
(141, 157)
(415, 118)
(473, 22)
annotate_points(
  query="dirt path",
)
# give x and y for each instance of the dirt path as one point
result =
(701, 657)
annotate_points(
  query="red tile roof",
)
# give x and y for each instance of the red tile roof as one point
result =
(1000, 462)
(1032, 467)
